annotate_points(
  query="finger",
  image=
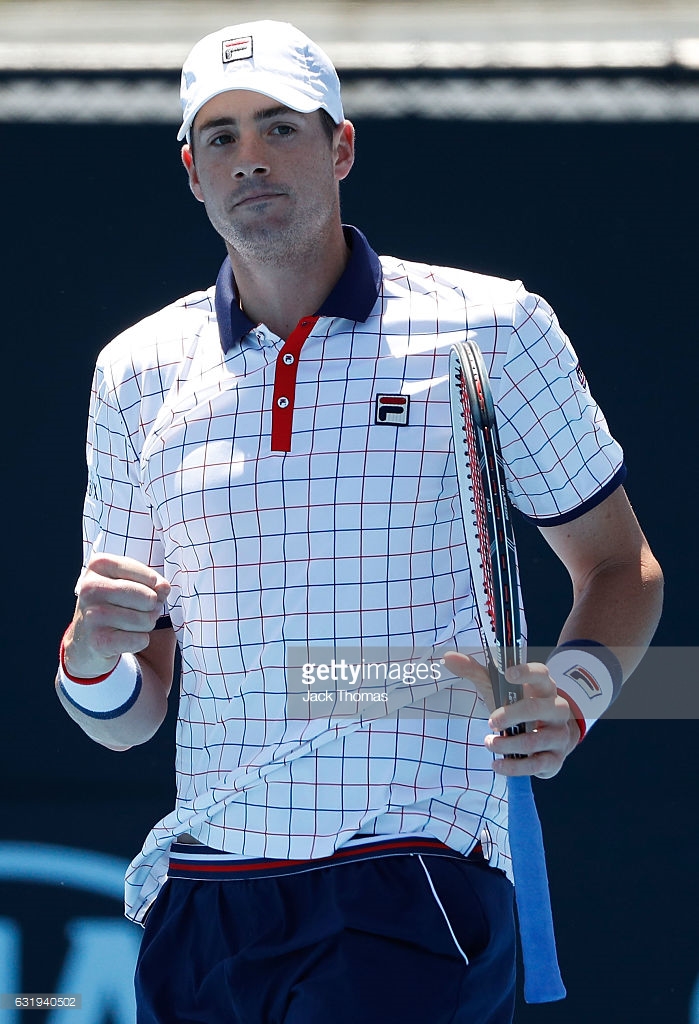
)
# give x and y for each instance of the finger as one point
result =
(89, 648)
(534, 712)
(535, 676)
(466, 667)
(107, 642)
(121, 567)
(553, 738)
(540, 703)
(118, 617)
(99, 593)
(543, 765)
(138, 589)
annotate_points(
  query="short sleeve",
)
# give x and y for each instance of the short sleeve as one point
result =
(560, 457)
(116, 519)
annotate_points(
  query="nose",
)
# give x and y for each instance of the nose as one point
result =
(249, 160)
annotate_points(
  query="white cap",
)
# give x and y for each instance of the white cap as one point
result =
(269, 57)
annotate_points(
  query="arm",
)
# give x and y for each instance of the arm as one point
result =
(617, 583)
(118, 604)
(617, 598)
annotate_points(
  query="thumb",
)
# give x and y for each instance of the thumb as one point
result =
(162, 588)
(466, 667)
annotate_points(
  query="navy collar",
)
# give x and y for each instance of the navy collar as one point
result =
(352, 298)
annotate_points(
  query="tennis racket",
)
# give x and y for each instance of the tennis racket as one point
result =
(490, 541)
(493, 559)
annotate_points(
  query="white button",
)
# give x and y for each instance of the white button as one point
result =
(282, 402)
(288, 358)
(260, 336)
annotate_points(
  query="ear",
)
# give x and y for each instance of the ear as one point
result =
(343, 148)
(188, 161)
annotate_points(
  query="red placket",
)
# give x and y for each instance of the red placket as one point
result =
(285, 384)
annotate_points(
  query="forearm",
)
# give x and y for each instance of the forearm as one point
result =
(116, 667)
(137, 725)
(618, 605)
(617, 599)
(617, 583)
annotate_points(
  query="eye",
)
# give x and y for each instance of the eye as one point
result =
(224, 139)
(284, 130)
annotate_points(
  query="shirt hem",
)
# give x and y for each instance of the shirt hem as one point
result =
(592, 502)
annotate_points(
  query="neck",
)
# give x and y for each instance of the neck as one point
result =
(279, 293)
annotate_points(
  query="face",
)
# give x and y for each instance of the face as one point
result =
(267, 175)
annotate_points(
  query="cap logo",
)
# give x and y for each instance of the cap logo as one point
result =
(236, 49)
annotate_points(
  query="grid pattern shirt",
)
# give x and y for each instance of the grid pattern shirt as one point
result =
(344, 535)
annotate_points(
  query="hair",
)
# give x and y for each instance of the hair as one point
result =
(326, 121)
(328, 124)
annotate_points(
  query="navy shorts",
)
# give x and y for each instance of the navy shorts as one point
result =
(424, 937)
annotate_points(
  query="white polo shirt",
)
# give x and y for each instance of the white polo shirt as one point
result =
(300, 496)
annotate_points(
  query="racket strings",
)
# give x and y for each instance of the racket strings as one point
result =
(500, 522)
(491, 518)
(478, 499)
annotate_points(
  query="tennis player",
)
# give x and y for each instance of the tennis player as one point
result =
(271, 486)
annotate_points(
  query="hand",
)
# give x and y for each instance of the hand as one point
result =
(552, 730)
(119, 602)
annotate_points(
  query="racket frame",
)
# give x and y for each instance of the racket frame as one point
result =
(488, 529)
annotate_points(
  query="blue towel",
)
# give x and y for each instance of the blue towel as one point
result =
(542, 976)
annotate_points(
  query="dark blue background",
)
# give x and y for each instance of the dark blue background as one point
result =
(602, 219)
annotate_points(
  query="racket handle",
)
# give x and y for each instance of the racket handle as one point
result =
(506, 693)
(542, 976)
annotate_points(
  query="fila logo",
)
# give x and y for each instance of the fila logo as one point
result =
(236, 49)
(581, 376)
(392, 410)
(586, 680)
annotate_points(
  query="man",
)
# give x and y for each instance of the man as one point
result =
(243, 472)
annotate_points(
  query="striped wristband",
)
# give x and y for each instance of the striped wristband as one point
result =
(103, 696)
(589, 676)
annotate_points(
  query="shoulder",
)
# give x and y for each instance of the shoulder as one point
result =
(136, 370)
(468, 285)
(160, 341)
(442, 300)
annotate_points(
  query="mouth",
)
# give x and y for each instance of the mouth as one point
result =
(255, 198)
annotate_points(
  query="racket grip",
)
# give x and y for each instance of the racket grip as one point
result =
(507, 693)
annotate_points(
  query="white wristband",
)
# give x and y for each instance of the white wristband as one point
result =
(589, 676)
(107, 696)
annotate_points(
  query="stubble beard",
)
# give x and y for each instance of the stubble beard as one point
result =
(266, 246)
(254, 241)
